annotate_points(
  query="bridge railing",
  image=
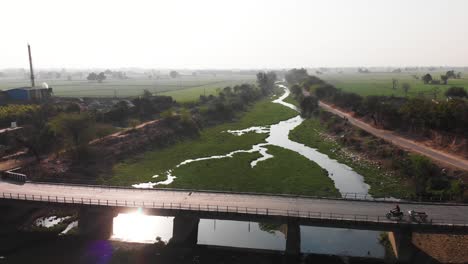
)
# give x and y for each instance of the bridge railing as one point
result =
(340, 196)
(226, 209)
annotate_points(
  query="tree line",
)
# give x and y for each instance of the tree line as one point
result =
(417, 115)
(66, 125)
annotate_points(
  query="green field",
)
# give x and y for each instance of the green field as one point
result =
(381, 83)
(297, 175)
(185, 88)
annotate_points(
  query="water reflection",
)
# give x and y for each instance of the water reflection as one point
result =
(239, 234)
(141, 228)
(339, 241)
(137, 227)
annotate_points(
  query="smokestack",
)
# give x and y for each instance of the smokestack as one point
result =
(31, 67)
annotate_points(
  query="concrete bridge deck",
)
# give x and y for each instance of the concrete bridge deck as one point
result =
(359, 214)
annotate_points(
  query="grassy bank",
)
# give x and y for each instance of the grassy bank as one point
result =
(212, 141)
(290, 99)
(382, 182)
(286, 172)
(296, 176)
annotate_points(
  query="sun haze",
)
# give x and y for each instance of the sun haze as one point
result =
(234, 34)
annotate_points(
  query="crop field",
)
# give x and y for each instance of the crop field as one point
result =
(185, 88)
(381, 83)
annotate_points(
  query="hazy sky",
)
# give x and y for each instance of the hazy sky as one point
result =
(234, 34)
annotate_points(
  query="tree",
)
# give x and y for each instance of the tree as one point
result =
(427, 78)
(266, 81)
(406, 86)
(296, 76)
(308, 106)
(456, 92)
(174, 74)
(444, 78)
(147, 94)
(92, 77)
(75, 129)
(421, 169)
(101, 77)
(394, 84)
(451, 74)
(296, 90)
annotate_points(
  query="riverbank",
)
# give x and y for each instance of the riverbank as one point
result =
(383, 182)
(234, 172)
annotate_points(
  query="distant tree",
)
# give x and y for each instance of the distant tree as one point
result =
(69, 78)
(174, 74)
(75, 129)
(397, 70)
(296, 76)
(92, 77)
(394, 84)
(266, 81)
(406, 87)
(108, 71)
(451, 74)
(427, 78)
(101, 77)
(444, 78)
(363, 70)
(296, 90)
(308, 106)
(326, 90)
(2, 74)
(227, 90)
(456, 92)
(147, 94)
(459, 75)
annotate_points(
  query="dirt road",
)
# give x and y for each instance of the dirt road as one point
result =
(387, 135)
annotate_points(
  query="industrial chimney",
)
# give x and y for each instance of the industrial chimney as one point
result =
(31, 67)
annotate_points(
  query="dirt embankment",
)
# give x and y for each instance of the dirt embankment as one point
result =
(443, 248)
(105, 152)
(444, 154)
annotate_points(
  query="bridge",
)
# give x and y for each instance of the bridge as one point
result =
(101, 203)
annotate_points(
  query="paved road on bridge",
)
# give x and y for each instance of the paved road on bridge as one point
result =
(280, 203)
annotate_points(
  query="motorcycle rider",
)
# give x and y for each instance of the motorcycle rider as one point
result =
(396, 210)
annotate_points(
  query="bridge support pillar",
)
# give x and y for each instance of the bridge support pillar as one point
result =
(185, 231)
(94, 223)
(293, 238)
(402, 245)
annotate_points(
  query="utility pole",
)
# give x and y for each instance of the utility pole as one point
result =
(31, 67)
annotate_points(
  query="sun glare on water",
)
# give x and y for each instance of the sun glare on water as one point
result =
(141, 228)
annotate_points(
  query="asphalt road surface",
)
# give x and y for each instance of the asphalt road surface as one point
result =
(439, 212)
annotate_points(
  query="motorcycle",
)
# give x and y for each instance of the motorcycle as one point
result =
(394, 214)
(419, 217)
